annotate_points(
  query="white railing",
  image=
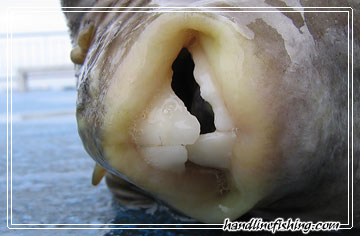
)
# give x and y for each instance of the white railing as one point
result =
(44, 54)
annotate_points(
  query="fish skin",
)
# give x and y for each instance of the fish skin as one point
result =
(310, 185)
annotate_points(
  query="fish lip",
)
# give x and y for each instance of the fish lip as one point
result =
(103, 148)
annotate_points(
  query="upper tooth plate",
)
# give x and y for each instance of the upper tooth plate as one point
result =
(204, 77)
(167, 123)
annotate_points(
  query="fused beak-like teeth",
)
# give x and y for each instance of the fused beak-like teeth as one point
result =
(163, 132)
(167, 118)
(149, 135)
(213, 149)
(168, 135)
(205, 77)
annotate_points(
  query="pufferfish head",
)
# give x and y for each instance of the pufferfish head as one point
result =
(215, 113)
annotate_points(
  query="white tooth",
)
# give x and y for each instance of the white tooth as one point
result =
(205, 78)
(168, 123)
(165, 157)
(212, 149)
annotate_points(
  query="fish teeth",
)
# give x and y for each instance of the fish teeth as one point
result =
(212, 150)
(168, 117)
(136, 124)
(168, 135)
(166, 157)
(205, 78)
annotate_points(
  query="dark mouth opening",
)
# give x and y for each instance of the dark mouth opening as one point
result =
(185, 87)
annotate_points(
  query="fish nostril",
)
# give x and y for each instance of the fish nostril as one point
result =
(185, 87)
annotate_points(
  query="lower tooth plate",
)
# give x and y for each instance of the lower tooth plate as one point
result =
(166, 157)
(212, 150)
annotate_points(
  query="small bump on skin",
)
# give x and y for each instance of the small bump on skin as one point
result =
(98, 174)
(77, 56)
(78, 53)
(85, 37)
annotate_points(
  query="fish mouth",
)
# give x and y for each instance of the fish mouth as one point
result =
(184, 117)
(179, 126)
(188, 90)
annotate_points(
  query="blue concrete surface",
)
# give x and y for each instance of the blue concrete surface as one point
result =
(51, 174)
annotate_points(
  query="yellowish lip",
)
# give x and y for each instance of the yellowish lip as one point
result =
(198, 192)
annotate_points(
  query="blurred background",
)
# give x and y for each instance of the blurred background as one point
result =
(49, 170)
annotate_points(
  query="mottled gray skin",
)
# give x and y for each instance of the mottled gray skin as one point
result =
(312, 180)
